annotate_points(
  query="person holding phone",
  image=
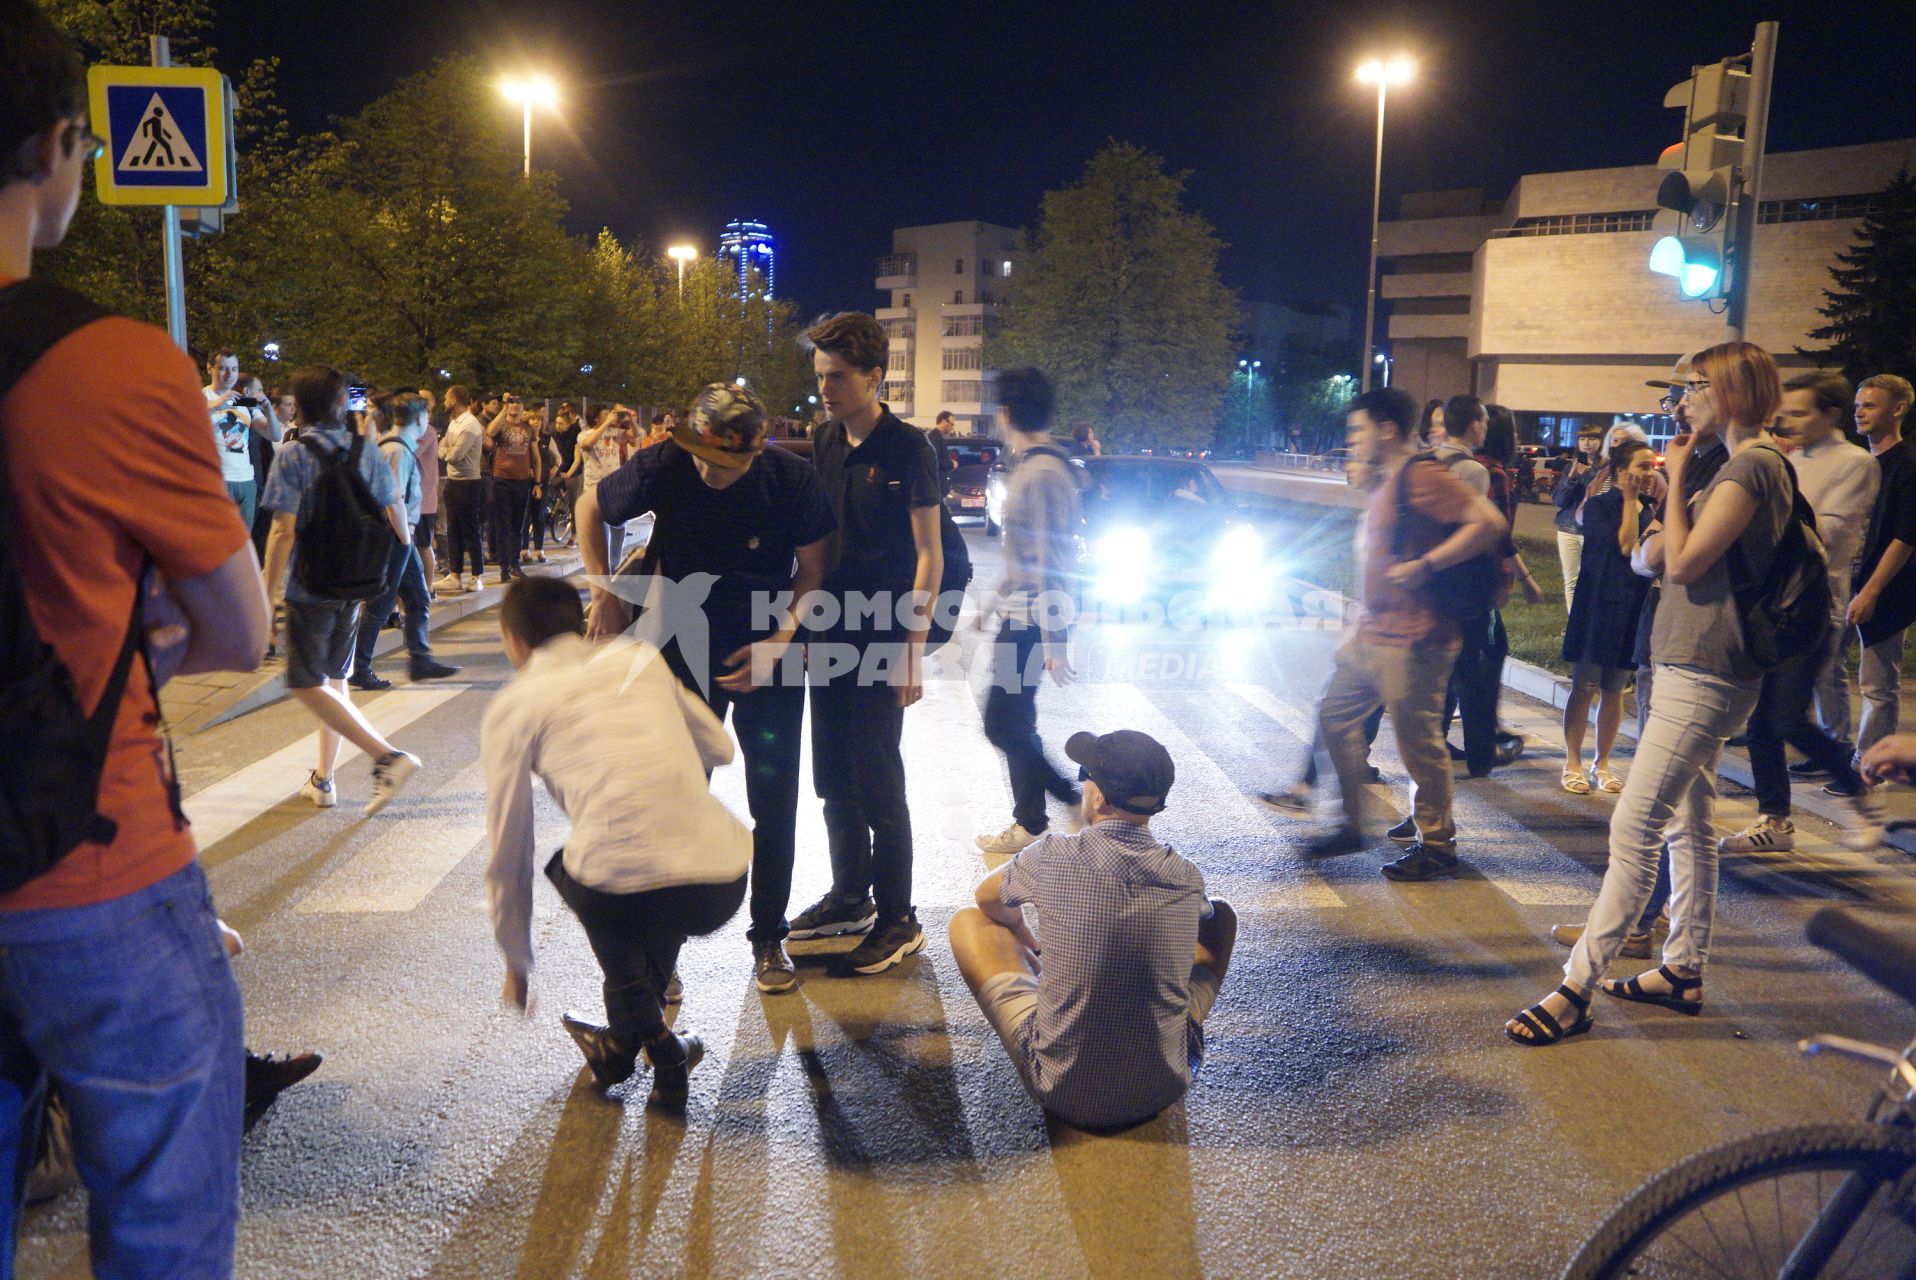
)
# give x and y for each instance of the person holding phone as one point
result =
(515, 468)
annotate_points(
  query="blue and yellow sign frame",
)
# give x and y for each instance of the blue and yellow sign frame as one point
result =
(187, 156)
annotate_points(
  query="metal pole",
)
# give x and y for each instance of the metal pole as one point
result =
(170, 235)
(1376, 205)
(681, 278)
(528, 133)
(1756, 128)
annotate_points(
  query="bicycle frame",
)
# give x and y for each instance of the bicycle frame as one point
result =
(1833, 1223)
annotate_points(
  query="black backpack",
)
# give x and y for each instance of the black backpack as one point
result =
(1787, 615)
(952, 584)
(346, 541)
(56, 751)
(1465, 590)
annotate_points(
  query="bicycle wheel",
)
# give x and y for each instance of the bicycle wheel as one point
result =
(1823, 1201)
(559, 525)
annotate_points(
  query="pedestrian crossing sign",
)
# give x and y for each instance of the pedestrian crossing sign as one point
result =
(168, 133)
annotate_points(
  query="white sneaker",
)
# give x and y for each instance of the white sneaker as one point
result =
(1766, 835)
(449, 586)
(390, 773)
(320, 791)
(1010, 840)
(1866, 832)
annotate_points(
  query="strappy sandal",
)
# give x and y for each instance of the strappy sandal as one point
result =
(1605, 781)
(1632, 989)
(1545, 1029)
(1575, 783)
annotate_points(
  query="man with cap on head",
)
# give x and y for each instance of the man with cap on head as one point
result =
(758, 519)
(1109, 1028)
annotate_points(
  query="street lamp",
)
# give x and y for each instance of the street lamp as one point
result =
(532, 91)
(1382, 74)
(682, 254)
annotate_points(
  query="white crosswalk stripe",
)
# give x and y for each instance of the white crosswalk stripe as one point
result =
(398, 869)
(216, 812)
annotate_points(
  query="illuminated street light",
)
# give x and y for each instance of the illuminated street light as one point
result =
(531, 91)
(682, 254)
(1383, 74)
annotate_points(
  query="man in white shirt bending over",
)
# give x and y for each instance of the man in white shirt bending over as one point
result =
(625, 749)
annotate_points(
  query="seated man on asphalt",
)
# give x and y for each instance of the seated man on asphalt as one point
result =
(1108, 1030)
(624, 750)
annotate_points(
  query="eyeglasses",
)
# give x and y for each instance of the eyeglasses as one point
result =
(1695, 385)
(92, 145)
(1671, 399)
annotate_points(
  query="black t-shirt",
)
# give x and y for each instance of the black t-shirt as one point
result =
(567, 442)
(1895, 513)
(748, 534)
(873, 490)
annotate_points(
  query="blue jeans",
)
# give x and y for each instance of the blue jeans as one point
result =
(129, 1006)
(405, 585)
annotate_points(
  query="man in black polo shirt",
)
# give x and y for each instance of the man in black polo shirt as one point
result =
(866, 663)
(726, 505)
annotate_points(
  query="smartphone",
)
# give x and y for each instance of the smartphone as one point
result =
(356, 398)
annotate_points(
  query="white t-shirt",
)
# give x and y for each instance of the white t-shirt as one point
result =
(231, 429)
(607, 454)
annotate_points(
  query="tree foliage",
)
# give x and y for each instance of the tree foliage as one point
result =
(406, 245)
(1118, 298)
(1872, 309)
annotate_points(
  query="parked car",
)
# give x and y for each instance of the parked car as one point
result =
(966, 489)
(800, 445)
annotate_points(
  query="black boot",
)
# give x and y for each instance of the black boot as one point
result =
(672, 1057)
(611, 1061)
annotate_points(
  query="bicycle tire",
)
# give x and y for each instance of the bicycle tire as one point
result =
(1626, 1242)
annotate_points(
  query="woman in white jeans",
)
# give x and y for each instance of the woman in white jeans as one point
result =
(1705, 690)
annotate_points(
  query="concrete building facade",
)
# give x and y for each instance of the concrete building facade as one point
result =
(1546, 303)
(945, 284)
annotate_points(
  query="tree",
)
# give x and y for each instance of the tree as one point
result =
(1118, 298)
(1872, 309)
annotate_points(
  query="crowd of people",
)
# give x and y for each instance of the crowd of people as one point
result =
(1729, 587)
(200, 508)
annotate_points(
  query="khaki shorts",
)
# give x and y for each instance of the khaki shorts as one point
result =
(1010, 999)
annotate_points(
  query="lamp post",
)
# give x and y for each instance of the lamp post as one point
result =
(532, 91)
(682, 254)
(1382, 74)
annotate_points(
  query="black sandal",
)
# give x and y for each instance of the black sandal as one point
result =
(1545, 1029)
(1632, 989)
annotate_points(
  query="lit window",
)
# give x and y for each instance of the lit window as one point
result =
(1007, 271)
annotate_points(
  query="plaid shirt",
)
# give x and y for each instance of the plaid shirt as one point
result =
(1112, 1040)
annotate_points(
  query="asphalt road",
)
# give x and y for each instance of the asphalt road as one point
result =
(1360, 1113)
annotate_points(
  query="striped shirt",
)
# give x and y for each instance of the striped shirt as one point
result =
(1112, 1039)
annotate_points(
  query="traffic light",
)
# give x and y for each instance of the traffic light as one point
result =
(1698, 198)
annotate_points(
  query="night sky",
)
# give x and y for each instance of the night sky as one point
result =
(834, 123)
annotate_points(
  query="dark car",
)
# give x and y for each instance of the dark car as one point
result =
(1166, 529)
(967, 485)
(800, 445)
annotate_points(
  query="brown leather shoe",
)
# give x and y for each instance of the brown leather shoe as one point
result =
(1637, 946)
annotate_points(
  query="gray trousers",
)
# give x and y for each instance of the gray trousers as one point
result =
(1409, 682)
(1880, 674)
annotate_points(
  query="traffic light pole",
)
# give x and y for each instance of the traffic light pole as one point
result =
(170, 236)
(1755, 135)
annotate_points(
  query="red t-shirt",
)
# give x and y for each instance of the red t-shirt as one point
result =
(109, 456)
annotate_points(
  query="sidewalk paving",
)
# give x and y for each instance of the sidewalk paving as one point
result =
(193, 703)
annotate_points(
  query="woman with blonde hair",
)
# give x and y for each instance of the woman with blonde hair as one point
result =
(1705, 689)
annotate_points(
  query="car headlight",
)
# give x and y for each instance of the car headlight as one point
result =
(1239, 551)
(1123, 558)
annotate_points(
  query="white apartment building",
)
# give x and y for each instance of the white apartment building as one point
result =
(946, 283)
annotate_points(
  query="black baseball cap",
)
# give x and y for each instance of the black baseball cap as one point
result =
(1132, 769)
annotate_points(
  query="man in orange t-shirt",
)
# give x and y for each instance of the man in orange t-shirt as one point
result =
(114, 985)
(1402, 651)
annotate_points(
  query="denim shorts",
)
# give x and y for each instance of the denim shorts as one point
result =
(319, 641)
